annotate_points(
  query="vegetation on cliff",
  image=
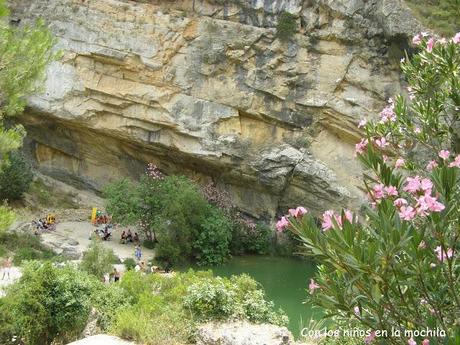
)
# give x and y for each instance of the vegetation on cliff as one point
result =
(398, 271)
(440, 15)
(24, 54)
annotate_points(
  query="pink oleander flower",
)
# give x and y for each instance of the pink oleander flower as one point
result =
(455, 163)
(313, 286)
(327, 220)
(413, 184)
(348, 215)
(431, 165)
(359, 147)
(417, 130)
(379, 191)
(282, 224)
(407, 213)
(381, 142)
(425, 342)
(430, 45)
(443, 255)
(444, 154)
(399, 163)
(416, 40)
(385, 158)
(411, 341)
(370, 338)
(391, 191)
(456, 38)
(298, 212)
(426, 185)
(356, 310)
(388, 114)
(400, 202)
(362, 123)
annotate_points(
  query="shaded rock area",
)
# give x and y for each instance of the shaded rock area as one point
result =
(207, 89)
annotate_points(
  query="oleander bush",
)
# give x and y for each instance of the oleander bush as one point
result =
(397, 266)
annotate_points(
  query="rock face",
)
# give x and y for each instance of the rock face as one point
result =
(243, 333)
(205, 88)
(101, 339)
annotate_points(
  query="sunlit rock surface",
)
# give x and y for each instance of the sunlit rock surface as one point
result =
(205, 88)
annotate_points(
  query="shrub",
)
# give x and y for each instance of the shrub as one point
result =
(7, 217)
(399, 268)
(98, 260)
(149, 244)
(211, 246)
(440, 15)
(236, 298)
(108, 300)
(46, 303)
(129, 263)
(251, 239)
(25, 246)
(15, 177)
(287, 26)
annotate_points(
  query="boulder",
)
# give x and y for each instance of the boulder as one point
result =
(243, 333)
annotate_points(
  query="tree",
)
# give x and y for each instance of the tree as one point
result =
(399, 268)
(173, 211)
(47, 303)
(24, 53)
(15, 177)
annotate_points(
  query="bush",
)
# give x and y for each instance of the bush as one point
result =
(399, 269)
(287, 26)
(46, 303)
(7, 217)
(108, 301)
(24, 246)
(149, 244)
(236, 298)
(440, 15)
(211, 246)
(15, 177)
(98, 260)
(129, 263)
(251, 239)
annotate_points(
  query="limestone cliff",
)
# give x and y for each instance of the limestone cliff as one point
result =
(205, 88)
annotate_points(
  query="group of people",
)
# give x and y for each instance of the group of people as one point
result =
(105, 233)
(127, 236)
(45, 224)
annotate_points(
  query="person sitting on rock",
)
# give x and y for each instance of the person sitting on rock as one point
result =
(129, 236)
(123, 237)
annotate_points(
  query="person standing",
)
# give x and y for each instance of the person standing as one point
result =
(138, 253)
(6, 266)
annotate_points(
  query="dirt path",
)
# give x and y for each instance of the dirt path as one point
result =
(76, 235)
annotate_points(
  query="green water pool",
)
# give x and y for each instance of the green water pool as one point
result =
(285, 281)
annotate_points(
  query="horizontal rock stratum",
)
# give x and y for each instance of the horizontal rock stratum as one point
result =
(207, 89)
